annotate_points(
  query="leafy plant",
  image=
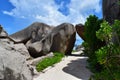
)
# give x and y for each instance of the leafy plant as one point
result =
(105, 32)
(91, 26)
(109, 55)
(116, 32)
(92, 43)
(103, 75)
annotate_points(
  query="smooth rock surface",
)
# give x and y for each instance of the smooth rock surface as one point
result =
(80, 30)
(63, 38)
(21, 48)
(111, 10)
(34, 32)
(13, 64)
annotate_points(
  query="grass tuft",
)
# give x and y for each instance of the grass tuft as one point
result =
(49, 61)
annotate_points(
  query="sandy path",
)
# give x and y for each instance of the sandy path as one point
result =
(70, 68)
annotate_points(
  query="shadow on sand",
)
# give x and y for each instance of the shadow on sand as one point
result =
(78, 69)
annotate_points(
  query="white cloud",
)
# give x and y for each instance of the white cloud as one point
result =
(8, 13)
(81, 9)
(47, 11)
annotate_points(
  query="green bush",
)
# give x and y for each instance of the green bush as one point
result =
(92, 43)
(87, 49)
(102, 76)
(91, 26)
(102, 46)
(49, 61)
(116, 32)
(109, 55)
(105, 32)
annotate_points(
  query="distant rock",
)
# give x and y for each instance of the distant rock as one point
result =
(13, 64)
(111, 10)
(80, 30)
(79, 48)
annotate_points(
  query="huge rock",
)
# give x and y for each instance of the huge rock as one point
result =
(111, 10)
(60, 39)
(21, 48)
(34, 32)
(40, 38)
(63, 37)
(13, 64)
(80, 30)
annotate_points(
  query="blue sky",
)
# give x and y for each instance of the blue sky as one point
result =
(18, 14)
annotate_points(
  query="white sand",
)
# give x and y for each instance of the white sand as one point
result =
(70, 68)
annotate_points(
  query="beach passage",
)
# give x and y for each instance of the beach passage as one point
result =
(70, 68)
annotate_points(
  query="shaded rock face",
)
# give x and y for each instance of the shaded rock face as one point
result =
(63, 37)
(111, 10)
(12, 63)
(39, 48)
(34, 32)
(60, 39)
(80, 30)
